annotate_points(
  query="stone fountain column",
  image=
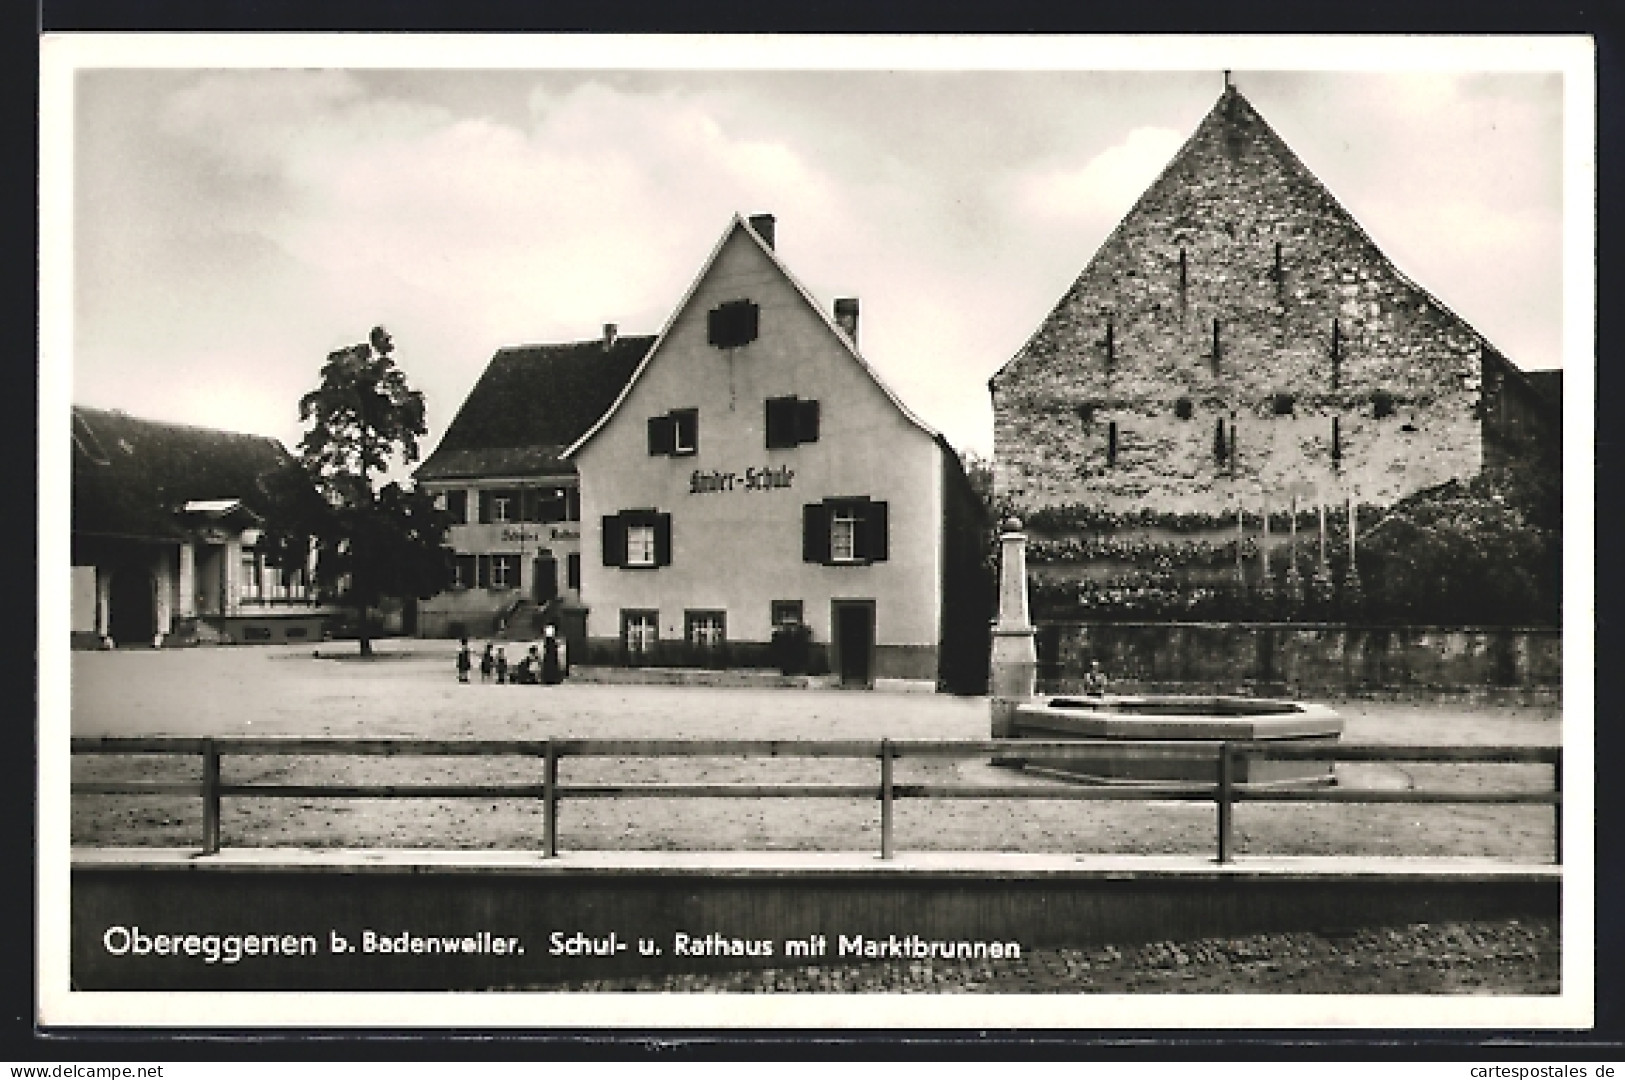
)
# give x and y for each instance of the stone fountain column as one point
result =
(1013, 675)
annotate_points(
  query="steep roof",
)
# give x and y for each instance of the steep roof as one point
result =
(739, 224)
(1548, 383)
(531, 403)
(1232, 136)
(134, 477)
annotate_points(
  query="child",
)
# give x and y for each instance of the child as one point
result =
(487, 662)
(465, 660)
(502, 666)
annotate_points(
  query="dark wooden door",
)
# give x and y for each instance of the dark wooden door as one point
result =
(855, 641)
(546, 578)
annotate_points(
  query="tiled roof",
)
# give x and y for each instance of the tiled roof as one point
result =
(1548, 382)
(531, 403)
(133, 477)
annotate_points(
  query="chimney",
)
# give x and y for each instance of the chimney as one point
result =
(611, 332)
(763, 224)
(846, 316)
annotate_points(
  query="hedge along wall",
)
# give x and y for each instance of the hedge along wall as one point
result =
(1326, 659)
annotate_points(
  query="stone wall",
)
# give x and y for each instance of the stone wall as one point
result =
(1311, 659)
(1238, 292)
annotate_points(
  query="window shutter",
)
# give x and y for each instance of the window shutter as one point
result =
(482, 571)
(686, 421)
(806, 421)
(457, 506)
(614, 540)
(662, 523)
(815, 533)
(781, 423)
(661, 435)
(877, 537)
(485, 508)
(572, 570)
(527, 504)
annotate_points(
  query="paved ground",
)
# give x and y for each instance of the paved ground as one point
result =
(283, 691)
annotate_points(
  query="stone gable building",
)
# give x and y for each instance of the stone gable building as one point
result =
(1240, 339)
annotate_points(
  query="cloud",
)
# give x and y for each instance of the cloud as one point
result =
(1107, 185)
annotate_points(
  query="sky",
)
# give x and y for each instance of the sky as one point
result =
(231, 227)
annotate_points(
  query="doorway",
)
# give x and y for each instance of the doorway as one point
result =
(545, 578)
(853, 631)
(130, 616)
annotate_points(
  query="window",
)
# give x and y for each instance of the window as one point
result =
(1283, 404)
(843, 535)
(1337, 443)
(640, 632)
(1221, 446)
(1183, 408)
(499, 506)
(572, 504)
(505, 571)
(545, 505)
(637, 539)
(1111, 443)
(844, 532)
(1382, 404)
(733, 324)
(572, 570)
(786, 613)
(248, 588)
(790, 422)
(640, 545)
(705, 631)
(457, 506)
(462, 572)
(676, 434)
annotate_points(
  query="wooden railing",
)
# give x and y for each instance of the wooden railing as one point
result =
(1223, 791)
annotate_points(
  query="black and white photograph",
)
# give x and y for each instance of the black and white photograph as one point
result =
(834, 532)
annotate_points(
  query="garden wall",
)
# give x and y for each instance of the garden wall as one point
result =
(1303, 658)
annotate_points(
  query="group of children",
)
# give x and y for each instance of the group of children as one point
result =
(543, 666)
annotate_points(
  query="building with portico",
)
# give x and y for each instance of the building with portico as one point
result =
(170, 536)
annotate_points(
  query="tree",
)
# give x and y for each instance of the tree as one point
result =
(1470, 552)
(372, 542)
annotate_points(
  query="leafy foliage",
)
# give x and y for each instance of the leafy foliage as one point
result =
(1466, 553)
(373, 543)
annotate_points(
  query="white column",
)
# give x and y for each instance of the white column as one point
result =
(163, 587)
(1013, 674)
(104, 591)
(186, 601)
(231, 575)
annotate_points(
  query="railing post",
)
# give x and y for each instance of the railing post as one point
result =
(1557, 807)
(1226, 793)
(211, 798)
(885, 799)
(550, 802)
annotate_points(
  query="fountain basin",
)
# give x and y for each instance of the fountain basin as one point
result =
(1200, 721)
